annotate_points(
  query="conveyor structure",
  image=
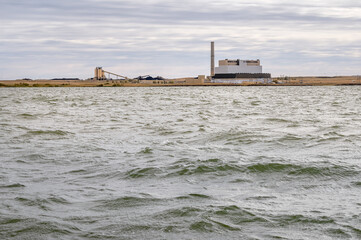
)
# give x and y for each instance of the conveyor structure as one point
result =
(100, 75)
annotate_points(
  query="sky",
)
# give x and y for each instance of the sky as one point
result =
(171, 38)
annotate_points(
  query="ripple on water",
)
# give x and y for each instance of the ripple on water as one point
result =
(215, 166)
(194, 196)
(285, 220)
(14, 185)
(337, 233)
(237, 137)
(43, 134)
(48, 132)
(31, 159)
(126, 202)
(218, 167)
(317, 170)
(42, 203)
(28, 116)
(170, 163)
(147, 172)
(209, 218)
(357, 184)
(32, 228)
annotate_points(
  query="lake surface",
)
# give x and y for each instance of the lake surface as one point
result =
(180, 163)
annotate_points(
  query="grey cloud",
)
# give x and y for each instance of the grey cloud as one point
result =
(119, 33)
(162, 10)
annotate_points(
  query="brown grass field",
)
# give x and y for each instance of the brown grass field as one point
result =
(285, 81)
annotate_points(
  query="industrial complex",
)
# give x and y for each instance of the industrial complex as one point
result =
(237, 71)
(228, 72)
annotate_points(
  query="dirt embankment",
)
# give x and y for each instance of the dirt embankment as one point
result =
(284, 81)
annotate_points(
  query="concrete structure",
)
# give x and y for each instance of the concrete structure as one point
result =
(201, 78)
(212, 59)
(99, 74)
(243, 80)
(239, 66)
(238, 71)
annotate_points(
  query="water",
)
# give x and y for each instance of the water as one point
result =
(180, 163)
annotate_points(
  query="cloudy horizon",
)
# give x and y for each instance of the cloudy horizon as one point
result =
(48, 39)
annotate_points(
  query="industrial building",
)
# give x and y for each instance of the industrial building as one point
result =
(228, 72)
(238, 71)
(99, 74)
(239, 66)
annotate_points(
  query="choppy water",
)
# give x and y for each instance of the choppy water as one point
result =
(180, 163)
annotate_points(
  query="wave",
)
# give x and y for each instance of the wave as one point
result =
(357, 184)
(45, 99)
(125, 202)
(180, 168)
(194, 195)
(280, 120)
(28, 116)
(48, 132)
(290, 137)
(215, 166)
(146, 150)
(78, 171)
(294, 169)
(285, 220)
(338, 233)
(259, 198)
(208, 218)
(44, 204)
(329, 171)
(143, 172)
(15, 185)
(237, 137)
(31, 228)
(179, 213)
(218, 167)
(270, 167)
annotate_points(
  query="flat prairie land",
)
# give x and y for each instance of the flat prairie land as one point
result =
(284, 81)
(319, 81)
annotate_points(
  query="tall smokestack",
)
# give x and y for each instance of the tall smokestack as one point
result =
(212, 59)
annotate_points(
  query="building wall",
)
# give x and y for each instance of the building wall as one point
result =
(99, 73)
(243, 80)
(253, 62)
(238, 62)
(239, 66)
(242, 68)
(241, 75)
(228, 62)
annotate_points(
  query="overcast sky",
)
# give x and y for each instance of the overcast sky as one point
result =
(171, 38)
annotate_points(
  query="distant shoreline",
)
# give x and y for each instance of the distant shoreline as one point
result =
(284, 81)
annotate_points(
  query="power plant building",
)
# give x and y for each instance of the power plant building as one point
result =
(238, 71)
(239, 66)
